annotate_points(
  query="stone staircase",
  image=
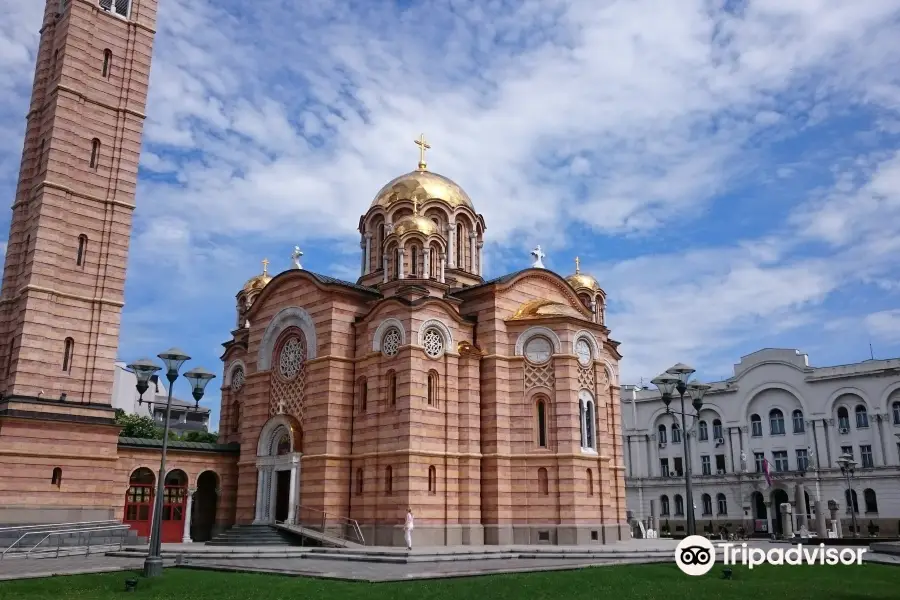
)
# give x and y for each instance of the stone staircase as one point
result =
(255, 535)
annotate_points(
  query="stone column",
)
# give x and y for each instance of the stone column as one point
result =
(384, 266)
(480, 247)
(363, 257)
(654, 453)
(472, 238)
(787, 529)
(878, 458)
(186, 537)
(451, 244)
(769, 512)
(260, 496)
(443, 266)
(292, 493)
(400, 263)
(820, 519)
(426, 263)
(368, 264)
(800, 503)
(830, 442)
(652, 523)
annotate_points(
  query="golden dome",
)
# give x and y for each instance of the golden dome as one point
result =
(415, 223)
(579, 280)
(422, 185)
(536, 309)
(258, 282)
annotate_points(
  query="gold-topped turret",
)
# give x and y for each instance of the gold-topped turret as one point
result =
(579, 280)
(258, 282)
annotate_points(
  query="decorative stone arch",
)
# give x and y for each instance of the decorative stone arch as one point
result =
(886, 397)
(269, 463)
(535, 331)
(771, 385)
(383, 328)
(862, 398)
(272, 431)
(590, 339)
(465, 214)
(229, 371)
(292, 316)
(613, 372)
(556, 281)
(440, 326)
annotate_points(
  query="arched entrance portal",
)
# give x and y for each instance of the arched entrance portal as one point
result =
(139, 501)
(779, 497)
(278, 471)
(760, 514)
(203, 512)
(174, 497)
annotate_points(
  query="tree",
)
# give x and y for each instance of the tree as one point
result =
(201, 436)
(137, 426)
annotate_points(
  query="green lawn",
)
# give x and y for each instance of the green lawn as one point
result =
(616, 583)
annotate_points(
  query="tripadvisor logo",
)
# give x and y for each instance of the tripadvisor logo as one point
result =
(696, 555)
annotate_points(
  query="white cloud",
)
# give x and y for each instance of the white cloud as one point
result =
(884, 325)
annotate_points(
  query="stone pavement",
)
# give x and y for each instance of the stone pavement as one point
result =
(29, 568)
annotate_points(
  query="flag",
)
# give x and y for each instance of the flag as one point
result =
(766, 472)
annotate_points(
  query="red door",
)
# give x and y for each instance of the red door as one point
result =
(174, 497)
(139, 501)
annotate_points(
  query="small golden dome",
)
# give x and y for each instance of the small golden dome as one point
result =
(422, 185)
(536, 309)
(579, 280)
(258, 282)
(415, 223)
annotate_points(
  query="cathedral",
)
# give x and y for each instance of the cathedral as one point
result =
(488, 408)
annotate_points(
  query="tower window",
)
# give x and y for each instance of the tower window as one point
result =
(363, 394)
(459, 245)
(542, 423)
(414, 261)
(118, 7)
(82, 249)
(432, 480)
(392, 388)
(388, 480)
(56, 479)
(107, 62)
(359, 482)
(95, 153)
(432, 388)
(55, 59)
(67, 354)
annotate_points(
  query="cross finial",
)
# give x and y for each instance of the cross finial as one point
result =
(265, 263)
(416, 206)
(538, 254)
(577, 265)
(295, 257)
(423, 146)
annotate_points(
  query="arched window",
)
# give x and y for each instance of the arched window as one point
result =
(843, 418)
(379, 247)
(432, 388)
(56, 478)
(870, 500)
(82, 250)
(588, 418)
(392, 388)
(855, 503)
(95, 153)
(432, 480)
(862, 417)
(707, 504)
(362, 394)
(590, 482)
(235, 416)
(460, 242)
(542, 423)
(359, 482)
(776, 422)
(55, 59)
(435, 257)
(895, 408)
(107, 62)
(388, 480)
(717, 429)
(414, 261)
(664, 506)
(723, 504)
(702, 431)
(661, 434)
(755, 426)
(797, 418)
(679, 505)
(68, 350)
(396, 253)
(543, 482)
(676, 433)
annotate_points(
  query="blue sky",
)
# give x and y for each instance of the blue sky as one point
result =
(729, 171)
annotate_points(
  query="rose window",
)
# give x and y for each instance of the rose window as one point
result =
(390, 343)
(433, 342)
(237, 379)
(291, 358)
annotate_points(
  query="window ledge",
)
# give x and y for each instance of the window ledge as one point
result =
(590, 451)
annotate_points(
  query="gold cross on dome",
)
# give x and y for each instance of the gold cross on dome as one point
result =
(423, 146)
(265, 263)
(577, 265)
(416, 207)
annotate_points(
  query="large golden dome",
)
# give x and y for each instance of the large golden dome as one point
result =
(579, 280)
(422, 185)
(415, 223)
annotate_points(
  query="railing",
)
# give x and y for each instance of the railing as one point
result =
(336, 526)
(74, 525)
(84, 535)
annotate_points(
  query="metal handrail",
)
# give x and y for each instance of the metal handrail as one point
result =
(45, 525)
(325, 517)
(60, 532)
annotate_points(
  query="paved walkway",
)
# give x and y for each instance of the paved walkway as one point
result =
(29, 568)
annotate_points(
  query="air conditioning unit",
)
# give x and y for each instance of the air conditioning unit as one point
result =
(844, 430)
(662, 444)
(719, 441)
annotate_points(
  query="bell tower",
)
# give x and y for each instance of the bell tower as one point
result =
(64, 276)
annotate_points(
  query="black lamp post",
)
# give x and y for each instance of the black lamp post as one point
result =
(848, 465)
(676, 379)
(143, 369)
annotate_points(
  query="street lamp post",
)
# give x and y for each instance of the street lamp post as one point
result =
(677, 379)
(848, 465)
(198, 377)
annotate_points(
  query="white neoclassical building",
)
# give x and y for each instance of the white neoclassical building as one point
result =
(776, 408)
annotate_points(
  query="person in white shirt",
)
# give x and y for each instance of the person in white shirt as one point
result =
(408, 528)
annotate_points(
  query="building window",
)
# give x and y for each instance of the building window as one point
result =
(392, 388)
(235, 416)
(865, 453)
(862, 417)
(359, 482)
(802, 460)
(82, 249)
(459, 245)
(717, 429)
(95, 153)
(55, 60)
(707, 504)
(843, 419)
(661, 434)
(760, 460)
(362, 392)
(676, 433)
(586, 410)
(398, 260)
(677, 466)
(776, 422)
(848, 495)
(432, 388)
(664, 506)
(433, 341)
(707, 466)
(869, 499)
(542, 423)
(895, 407)
(543, 482)
(781, 460)
(432, 480)
(848, 450)
(388, 480)
(755, 426)
(390, 343)
(703, 432)
(107, 62)
(68, 350)
(723, 504)
(56, 478)
(797, 418)
(679, 505)
(720, 464)
(664, 467)
(414, 261)
(118, 7)
(590, 482)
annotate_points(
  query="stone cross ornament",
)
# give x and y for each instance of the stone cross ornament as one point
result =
(295, 258)
(538, 255)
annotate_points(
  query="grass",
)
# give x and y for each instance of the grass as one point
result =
(637, 582)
